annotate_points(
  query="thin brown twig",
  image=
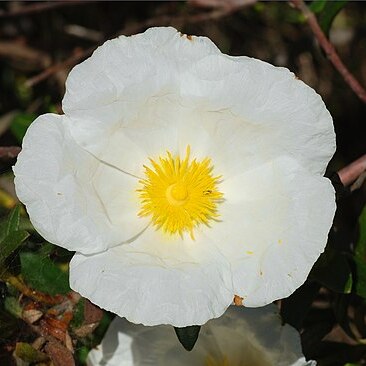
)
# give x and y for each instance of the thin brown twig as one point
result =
(40, 7)
(71, 61)
(35, 295)
(9, 152)
(329, 49)
(131, 29)
(352, 172)
(359, 182)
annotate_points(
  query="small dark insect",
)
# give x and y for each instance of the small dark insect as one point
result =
(207, 192)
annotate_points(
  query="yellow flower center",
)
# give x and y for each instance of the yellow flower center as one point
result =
(179, 194)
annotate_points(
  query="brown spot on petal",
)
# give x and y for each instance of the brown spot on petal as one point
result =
(238, 301)
(188, 36)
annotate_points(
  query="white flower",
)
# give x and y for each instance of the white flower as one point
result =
(241, 337)
(181, 176)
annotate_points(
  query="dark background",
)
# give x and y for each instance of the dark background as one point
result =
(41, 41)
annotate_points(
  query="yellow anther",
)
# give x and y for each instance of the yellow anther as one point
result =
(179, 194)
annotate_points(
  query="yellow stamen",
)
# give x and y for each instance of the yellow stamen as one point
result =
(179, 194)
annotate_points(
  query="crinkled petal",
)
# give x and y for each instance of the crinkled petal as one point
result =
(157, 84)
(289, 116)
(273, 226)
(171, 122)
(66, 193)
(139, 62)
(156, 281)
(129, 140)
(117, 192)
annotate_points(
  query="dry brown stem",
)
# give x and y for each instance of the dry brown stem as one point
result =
(353, 172)
(39, 7)
(9, 152)
(162, 20)
(329, 49)
(74, 59)
(35, 295)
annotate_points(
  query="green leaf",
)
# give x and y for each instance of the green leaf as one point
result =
(46, 249)
(360, 250)
(78, 317)
(333, 270)
(81, 354)
(12, 306)
(11, 223)
(360, 286)
(14, 219)
(29, 354)
(188, 336)
(11, 242)
(20, 124)
(329, 12)
(317, 6)
(43, 275)
(10, 235)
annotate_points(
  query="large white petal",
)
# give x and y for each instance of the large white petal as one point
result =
(289, 117)
(127, 139)
(150, 59)
(163, 84)
(249, 337)
(156, 280)
(67, 192)
(171, 122)
(273, 226)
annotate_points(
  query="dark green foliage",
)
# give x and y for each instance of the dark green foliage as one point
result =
(10, 236)
(43, 275)
(188, 336)
(330, 11)
(317, 6)
(28, 353)
(327, 11)
(11, 223)
(78, 317)
(333, 271)
(20, 124)
(11, 243)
